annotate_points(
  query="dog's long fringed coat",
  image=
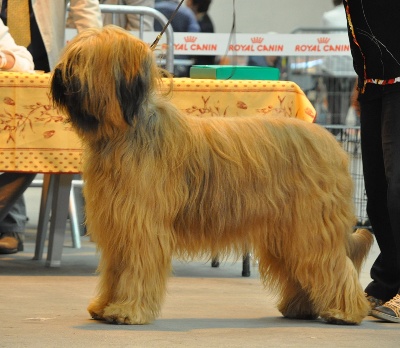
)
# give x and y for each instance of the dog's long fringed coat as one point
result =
(160, 184)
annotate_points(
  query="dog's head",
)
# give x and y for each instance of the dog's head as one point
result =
(104, 79)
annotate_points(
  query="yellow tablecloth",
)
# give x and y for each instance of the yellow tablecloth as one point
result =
(34, 136)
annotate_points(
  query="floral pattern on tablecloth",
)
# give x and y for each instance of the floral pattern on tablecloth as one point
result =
(216, 98)
(33, 117)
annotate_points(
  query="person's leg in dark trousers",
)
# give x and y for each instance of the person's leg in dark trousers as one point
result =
(12, 210)
(380, 140)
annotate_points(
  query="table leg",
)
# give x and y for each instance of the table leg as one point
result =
(246, 265)
(44, 214)
(59, 214)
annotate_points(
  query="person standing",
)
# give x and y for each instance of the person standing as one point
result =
(44, 38)
(200, 9)
(374, 35)
(130, 21)
(47, 25)
(335, 18)
(184, 21)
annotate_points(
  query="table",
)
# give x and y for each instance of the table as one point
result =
(34, 136)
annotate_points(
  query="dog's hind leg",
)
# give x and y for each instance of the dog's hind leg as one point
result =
(349, 304)
(320, 283)
(294, 302)
(333, 287)
(345, 302)
(133, 281)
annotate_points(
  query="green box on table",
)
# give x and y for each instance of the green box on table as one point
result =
(233, 72)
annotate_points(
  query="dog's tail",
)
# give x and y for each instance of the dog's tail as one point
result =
(358, 245)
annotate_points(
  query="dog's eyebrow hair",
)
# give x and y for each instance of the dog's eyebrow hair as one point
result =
(158, 38)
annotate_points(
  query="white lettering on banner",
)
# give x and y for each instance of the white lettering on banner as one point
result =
(324, 44)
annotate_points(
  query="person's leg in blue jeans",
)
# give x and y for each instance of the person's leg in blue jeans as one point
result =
(12, 210)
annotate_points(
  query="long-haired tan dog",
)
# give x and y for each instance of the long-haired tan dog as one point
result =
(159, 184)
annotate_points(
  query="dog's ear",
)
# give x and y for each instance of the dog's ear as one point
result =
(70, 96)
(133, 94)
(57, 89)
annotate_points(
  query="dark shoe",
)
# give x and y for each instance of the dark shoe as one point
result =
(10, 243)
(389, 311)
(373, 303)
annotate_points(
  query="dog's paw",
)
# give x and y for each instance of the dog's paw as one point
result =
(336, 321)
(337, 317)
(301, 316)
(96, 310)
(300, 308)
(121, 314)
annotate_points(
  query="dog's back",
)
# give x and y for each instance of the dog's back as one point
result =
(241, 174)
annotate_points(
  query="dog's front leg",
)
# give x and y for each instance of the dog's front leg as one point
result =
(133, 281)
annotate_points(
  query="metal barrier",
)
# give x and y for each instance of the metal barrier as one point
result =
(349, 139)
(146, 11)
(328, 81)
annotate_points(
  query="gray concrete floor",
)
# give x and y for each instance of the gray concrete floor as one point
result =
(205, 307)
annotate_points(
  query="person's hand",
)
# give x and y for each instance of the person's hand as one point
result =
(7, 60)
